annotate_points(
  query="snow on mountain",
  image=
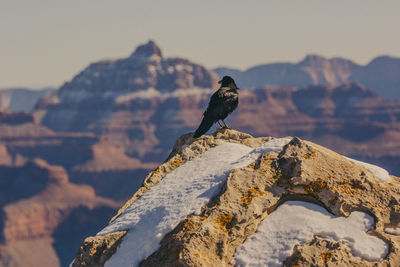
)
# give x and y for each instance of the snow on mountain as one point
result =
(145, 68)
(232, 199)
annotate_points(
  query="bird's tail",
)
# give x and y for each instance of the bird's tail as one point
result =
(203, 128)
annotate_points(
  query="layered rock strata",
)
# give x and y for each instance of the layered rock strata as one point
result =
(38, 205)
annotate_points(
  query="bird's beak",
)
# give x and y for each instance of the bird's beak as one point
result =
(220, 81)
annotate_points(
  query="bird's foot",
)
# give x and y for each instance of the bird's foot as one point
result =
(226, 126)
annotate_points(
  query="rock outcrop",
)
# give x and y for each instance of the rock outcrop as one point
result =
(299, 170)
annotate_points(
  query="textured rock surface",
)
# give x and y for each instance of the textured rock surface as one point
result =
(301, 171)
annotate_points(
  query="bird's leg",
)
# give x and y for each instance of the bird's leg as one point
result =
(219, 124)
(226, 126)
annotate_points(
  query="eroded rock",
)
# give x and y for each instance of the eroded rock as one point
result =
(301, 171)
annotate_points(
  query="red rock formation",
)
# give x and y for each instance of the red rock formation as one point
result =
(37, 199)
(381, 74)
(14, 118)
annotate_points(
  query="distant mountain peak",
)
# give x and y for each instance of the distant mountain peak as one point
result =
(384, 60)
(313, 59)
(148, 50)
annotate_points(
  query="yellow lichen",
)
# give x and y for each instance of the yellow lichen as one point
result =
(188, 226)
(222, 222)
(326, 257)
(346, 189)
(352, 187)
(251, 166)
(156, 171)
(249, 195)
(310, 154)
(92, 251)
(315, 186)
(176, 163)
(263, 169)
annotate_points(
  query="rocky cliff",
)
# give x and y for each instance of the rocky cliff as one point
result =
(144, 69)
(42, 214)
(381, 74)
(219, 198)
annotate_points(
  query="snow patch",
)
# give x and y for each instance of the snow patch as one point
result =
(392, 231)
(143, 94)
(296, 222)
(380, 174)
(182, 192)
(179, 67)
(151, 93)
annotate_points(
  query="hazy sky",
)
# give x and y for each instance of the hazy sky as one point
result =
(47, 42)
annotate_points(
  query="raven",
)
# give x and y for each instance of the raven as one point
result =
(222, 103)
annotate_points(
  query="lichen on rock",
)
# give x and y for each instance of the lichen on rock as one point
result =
(302, 170)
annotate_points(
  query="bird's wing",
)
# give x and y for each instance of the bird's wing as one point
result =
(216, 99)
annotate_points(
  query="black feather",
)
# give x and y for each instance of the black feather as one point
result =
(205, 124)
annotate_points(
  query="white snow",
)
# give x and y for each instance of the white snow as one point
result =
(143, 94)
(393, 231)
(296, 222)
(151, 93)
(179, 67)
(379, 173)
(182, 192)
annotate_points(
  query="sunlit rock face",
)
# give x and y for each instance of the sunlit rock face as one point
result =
(249, 188)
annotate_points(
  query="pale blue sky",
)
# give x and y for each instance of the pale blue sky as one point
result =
(47, 42)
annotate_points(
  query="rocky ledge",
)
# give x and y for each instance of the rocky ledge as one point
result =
(249, 195)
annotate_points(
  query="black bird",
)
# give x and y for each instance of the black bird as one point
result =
(222, 103)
